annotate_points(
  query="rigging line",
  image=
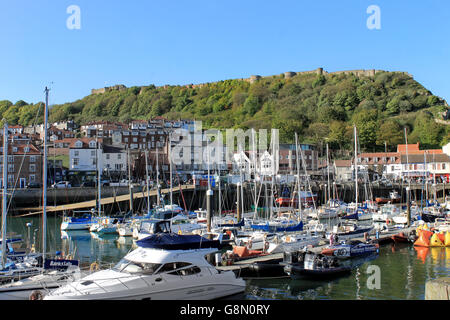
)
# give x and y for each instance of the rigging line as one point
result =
(23, 159)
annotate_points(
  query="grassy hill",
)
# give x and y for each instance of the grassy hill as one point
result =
(318, 107)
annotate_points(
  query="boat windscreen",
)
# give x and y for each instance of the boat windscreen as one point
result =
(132, 267)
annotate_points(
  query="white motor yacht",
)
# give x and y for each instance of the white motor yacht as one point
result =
(386, 212)
(163, 267)
(294, 242)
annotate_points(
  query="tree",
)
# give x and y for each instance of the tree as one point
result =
(391, 132)
(366, 124)
(251, 105)
(317, 132)
(338, 136)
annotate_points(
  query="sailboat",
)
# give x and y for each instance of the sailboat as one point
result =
(12, 270)
(33, 275)
(104, 224)
(356, 211)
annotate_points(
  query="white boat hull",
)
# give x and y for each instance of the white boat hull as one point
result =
(195, 287)
(70, 226)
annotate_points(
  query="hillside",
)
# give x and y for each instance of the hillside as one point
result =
(318, 106)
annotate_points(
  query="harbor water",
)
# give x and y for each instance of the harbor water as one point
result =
(399, 271)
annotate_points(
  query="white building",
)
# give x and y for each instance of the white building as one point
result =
(84, 152)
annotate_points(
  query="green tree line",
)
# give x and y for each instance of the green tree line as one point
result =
(320, 108)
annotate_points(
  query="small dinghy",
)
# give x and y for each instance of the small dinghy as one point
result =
(264, 269)
(316, 267)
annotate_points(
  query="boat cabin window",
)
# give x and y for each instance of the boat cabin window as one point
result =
(181, 221)
(128, 266)
(153, 228)
(180, 269)
(168, 267)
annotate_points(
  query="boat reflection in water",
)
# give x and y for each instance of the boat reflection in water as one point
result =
(287, 288)
(436, 254)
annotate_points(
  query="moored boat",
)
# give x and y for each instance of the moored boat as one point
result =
(164, 266)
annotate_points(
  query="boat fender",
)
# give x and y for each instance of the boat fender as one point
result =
(266, 245)
(36, 295)
(249, 244)
(94, 267)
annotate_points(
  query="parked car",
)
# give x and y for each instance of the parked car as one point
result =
(34, 185)
(61, 185)
(89, 184)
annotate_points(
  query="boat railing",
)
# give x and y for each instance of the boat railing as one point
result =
(212, 270)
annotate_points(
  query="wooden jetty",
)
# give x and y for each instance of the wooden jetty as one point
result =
(105, 201)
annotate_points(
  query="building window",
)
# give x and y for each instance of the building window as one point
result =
(10, 167)
(76, 153)
(32, 178)
(107, 156)
(93, 153)
(119, 156)
(32, 168)
(10, 178)
(10, 159)
(75, 161)
(32, 158)
(26, 149)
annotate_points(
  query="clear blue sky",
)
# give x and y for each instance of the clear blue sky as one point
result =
(180, 42)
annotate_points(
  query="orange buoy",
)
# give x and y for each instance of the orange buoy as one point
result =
(424, 238)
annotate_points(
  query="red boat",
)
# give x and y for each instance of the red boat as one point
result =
(400, 238)
(306, 198)
(394, 197)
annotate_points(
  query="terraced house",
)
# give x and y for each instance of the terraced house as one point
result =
(24, 163)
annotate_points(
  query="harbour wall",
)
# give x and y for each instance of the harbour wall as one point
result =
(29, 200)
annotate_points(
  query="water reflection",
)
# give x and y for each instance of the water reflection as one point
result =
(404, 268)
(422, 253)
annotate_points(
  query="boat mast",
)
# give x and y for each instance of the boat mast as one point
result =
(158, 201)
(220, 191)
(356, 169)
(130, 185)
(170, 174)
(4, 192)
(44, 178)
(241, 184)
(425, 175)
(407, 160)
(209, 194)
(298, 178)
(254, 172)
(99, 181)
(146, 181)
(328, 173)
